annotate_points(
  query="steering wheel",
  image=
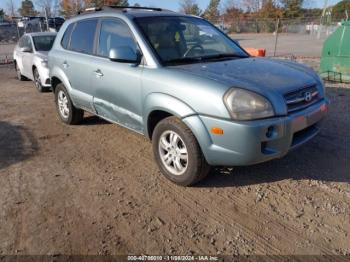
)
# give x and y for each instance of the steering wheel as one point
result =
(196, 46)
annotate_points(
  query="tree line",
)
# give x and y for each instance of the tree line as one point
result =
(217, 10)
(262, 9)
(64, 8)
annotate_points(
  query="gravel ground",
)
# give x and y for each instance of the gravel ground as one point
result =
(95, 189)
(287, 44)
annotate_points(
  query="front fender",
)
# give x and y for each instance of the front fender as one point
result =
(163, 102)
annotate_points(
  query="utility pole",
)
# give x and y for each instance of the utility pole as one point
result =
(47, 20)
(11, 8)
(276, 34)
(322, 17)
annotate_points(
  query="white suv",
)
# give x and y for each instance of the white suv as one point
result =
(30, 56)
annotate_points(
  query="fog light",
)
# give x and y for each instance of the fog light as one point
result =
(270, 132)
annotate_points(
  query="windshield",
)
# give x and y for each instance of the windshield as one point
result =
(43, 43)
(178, 40)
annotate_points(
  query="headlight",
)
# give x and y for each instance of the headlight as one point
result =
(247, 105)
(44, 63)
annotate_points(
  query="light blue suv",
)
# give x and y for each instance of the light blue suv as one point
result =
(184, 84)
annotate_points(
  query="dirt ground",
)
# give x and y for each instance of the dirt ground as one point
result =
(95, 189)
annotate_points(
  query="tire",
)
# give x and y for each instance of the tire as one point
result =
(182, 170)
(37, 81)
(68, 113)
(20, 77)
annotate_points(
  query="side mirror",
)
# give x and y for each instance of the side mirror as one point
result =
(124, 54)
(25, 49)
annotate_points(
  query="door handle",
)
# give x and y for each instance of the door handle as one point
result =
(98, 73)
(65, 64)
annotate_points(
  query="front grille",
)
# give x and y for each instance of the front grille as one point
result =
(299, 99)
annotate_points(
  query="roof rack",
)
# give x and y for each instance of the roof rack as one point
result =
(135, 7)
(123, 8)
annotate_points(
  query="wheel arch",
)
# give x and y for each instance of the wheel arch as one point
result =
(54, 82)
(158, 106)
(57, 76)
(33, 68)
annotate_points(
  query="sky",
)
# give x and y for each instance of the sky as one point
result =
(174, 4)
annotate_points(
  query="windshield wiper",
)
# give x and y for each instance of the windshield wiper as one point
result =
(198, 59)
(183, 60)
(222, 56)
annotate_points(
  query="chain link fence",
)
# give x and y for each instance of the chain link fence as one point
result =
(309, 25)
(299, 37)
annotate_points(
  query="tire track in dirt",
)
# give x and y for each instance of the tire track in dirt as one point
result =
(285, 233)
(105, 189)
(248, 229)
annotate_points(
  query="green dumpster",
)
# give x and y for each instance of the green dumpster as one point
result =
(335, 59)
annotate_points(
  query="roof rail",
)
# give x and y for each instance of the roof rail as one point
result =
(92, 9)
(123, 8)
(135, 7)
(89, 10)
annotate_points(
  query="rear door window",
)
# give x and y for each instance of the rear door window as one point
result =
(28, 43)
(83, 36)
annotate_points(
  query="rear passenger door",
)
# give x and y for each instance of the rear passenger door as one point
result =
(27, 58)
(19, 53)
(78, 63)
(117, 85)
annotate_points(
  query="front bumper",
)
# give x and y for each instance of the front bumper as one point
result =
(251, 142)
(44, 76)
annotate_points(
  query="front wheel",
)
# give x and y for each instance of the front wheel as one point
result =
(37, 81)
(177, 153)
(68, 113)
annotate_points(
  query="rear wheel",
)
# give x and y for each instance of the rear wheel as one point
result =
(68, 113)
(177, 153)
(20, 77)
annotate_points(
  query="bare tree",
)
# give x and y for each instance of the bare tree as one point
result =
(232, 10)
(212, 13)
(47, 6)
(189, 7)
(252, 6)
(71, 7)
(11, 8)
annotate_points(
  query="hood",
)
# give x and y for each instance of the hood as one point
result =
(254, 74)
(42, 54)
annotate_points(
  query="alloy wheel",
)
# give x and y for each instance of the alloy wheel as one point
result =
(63, 107)
(37, 80)
(173, 153)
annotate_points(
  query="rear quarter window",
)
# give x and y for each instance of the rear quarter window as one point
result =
(83, 36)
(66, 36)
